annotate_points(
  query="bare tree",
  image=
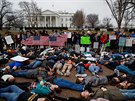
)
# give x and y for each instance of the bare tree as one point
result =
(15, 19)
(107, 22)
(78, 19)
(128, 17)
(92, 20)
(118, 9)
(31, 12)
(5, 9)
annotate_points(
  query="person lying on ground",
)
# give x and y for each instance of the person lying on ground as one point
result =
(12, 66)
(37, 62)
(125, 69)
(111, 93)
(66, 70)
(6, 77)
(80, 68)
(14, 93)
(123, 77)
(126, 85)
(94, 69)
(34, 73)
(42, 87)
(63, 83)
(96, 80)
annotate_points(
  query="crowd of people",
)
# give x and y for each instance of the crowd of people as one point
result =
(48, 67)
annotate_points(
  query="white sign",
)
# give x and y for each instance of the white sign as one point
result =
(95, 45)
(82, 49)
(77, 48)
(19, 58)
(68, 34)
(112, 37)
(129, 42)
(88, 49)
(9, 39)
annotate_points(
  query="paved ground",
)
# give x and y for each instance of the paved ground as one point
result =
(66, 92)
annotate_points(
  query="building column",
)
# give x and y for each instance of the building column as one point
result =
(45, 22)
(50, 21)
(56, 21)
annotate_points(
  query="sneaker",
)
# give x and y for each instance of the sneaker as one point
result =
(60, 73)
(65, 74)
(83, 75)
(117, 72)
(78, 75)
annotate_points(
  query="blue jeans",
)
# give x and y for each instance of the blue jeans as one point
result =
(21, 73)
(94, 69)
(68, 84)
(125, 69)
(128, 94)
(80, 69)
(10, 93)
(35, 64)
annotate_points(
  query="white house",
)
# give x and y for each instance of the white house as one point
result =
(55, 19)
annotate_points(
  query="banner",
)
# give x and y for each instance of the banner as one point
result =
(52, 38)
(122, 41)
(95, 45)
(9, 39)
(85, 40)
(36, 38)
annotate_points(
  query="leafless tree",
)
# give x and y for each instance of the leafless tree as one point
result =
(92, 20)
(128, 17)
(78, 19)
(15, 19)
(107, 22)
(5, 9)
(118, 9)
(31, 12)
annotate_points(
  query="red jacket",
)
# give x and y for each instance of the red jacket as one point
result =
(103, 39)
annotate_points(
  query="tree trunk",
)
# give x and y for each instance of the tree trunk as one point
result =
(119, 26)
(0, 25)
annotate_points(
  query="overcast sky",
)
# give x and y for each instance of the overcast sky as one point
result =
(88, 6)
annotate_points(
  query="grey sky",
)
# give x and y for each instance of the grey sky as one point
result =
(88, 6)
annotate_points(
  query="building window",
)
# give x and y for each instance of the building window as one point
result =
(66, 25)
(70, 19)
(66, 19)
(61, 19)
(61, 25)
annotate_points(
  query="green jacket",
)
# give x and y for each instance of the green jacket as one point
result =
(41, 90)
(112, 94)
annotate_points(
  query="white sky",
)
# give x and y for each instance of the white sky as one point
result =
(88, 6)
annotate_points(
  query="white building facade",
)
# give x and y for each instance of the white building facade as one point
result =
(54, 19)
